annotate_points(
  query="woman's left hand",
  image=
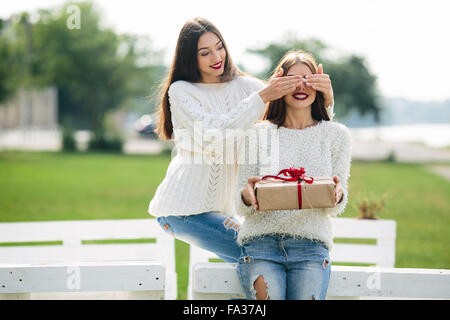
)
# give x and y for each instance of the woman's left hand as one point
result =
(338, 191)
(321, 82)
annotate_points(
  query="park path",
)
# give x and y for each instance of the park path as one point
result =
(441, 170)
(402, 152)
(369, 150)
(361, 150)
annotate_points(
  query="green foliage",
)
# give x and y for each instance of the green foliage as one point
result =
(353, 84)
(94, 68)
(106, 142)
(391, 157)
(15, 55)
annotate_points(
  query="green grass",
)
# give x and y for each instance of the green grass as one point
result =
(417, 200)
(60, 186)
(116, 241)
(45, 186)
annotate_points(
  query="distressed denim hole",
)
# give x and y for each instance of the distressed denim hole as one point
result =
(229, 223)
(260, 287)
(325, 263)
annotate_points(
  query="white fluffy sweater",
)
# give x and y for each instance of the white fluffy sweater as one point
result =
(202, 177)
(323, 150)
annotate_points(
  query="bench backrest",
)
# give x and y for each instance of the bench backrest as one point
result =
(155, 244)
(73, 233)
(380, 254)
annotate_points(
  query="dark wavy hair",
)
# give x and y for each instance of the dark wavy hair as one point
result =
(276, 110)
(185, 67)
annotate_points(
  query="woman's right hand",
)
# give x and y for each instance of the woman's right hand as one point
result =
(248, 192)
(279, 86)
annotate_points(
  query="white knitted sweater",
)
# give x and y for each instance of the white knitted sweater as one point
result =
(202, 177)
(323, 150)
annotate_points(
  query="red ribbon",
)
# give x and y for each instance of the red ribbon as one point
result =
(295, 175)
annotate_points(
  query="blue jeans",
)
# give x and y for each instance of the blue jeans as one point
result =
(292, 269)
(211, 231)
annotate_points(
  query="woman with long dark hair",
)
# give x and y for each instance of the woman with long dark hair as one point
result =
(204, 98)
(285, 253)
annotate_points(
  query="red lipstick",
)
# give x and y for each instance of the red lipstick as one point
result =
(218, 65)
(300, 96)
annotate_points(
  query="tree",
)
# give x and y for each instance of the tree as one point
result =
(353, 85)
(7, 86)
(95, 69)
(14, 55)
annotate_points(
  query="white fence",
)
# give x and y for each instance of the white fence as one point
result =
(147, 269)
(220, 280)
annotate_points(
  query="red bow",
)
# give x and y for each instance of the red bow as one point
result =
(295, 175)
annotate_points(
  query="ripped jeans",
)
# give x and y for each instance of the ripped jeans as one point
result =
(211, 231)
(280, 267)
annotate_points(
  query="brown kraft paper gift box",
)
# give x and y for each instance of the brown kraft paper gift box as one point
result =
(284, 195)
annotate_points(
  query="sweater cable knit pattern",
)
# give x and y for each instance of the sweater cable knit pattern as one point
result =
(323, 150)
(198, 178)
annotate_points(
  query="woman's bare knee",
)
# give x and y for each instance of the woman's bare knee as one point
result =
(261, 289)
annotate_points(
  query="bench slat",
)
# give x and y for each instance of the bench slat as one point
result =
(91, 276)
(363, 229)
(101, 252)
(343, 252)
(214, 279)
(390, 282)
(81, 230)
(73, 232)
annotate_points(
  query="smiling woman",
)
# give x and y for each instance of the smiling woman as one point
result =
(211, 57)
(285, 252)
(205, 91)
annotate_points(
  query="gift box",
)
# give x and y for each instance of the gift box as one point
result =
(294, 191)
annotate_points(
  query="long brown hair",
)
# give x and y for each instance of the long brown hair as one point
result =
(276, 110)
(185, 67)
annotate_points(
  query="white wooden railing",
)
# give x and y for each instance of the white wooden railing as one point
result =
(147, 270)
(219, 281)
(74, 269)
(381, 279)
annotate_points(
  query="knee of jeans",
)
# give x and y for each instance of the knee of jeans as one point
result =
(256, 285)
(165, 225)
(261, 288)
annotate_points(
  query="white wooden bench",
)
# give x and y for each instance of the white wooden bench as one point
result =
(219, 281)
(79, 269)
(380, 254)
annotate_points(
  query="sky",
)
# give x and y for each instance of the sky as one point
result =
(405, 43)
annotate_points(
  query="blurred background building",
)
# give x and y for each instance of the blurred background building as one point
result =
(31, 109)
